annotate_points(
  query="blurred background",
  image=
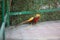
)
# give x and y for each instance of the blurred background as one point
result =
(31, 5)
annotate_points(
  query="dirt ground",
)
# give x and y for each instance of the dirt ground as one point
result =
(49, 30)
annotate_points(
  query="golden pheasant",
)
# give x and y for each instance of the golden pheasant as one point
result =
(32, 20)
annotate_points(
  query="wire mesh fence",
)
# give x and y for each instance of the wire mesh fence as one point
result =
(31, 5)
(25, 5)
(50, 16)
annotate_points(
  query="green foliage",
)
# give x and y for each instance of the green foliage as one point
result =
(25, 5)
(51, 16)
(20, 18)
(30, 5)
